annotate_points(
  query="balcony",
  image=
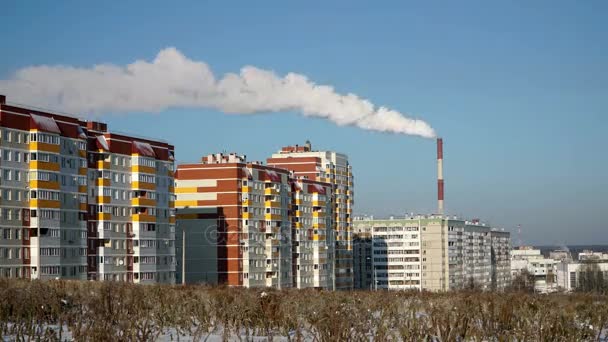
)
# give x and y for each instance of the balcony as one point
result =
(143, 202)
(271, 191)
(142, 217)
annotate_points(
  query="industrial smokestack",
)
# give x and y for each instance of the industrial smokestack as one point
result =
(440, 185)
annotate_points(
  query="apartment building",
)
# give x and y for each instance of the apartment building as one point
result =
(500, 259)
(312, 234)
(131, 208)
(252, 231)
(333, 168)
(261, 226)
(541, 271)
(72, 199)
(436, 253)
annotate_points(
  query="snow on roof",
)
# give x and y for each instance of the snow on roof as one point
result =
(45, 123)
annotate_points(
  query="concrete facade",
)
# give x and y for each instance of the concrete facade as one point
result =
(437, 253)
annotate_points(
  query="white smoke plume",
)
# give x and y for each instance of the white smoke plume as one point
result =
(172, 80)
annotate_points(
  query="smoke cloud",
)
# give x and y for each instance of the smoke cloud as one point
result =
(173, 80)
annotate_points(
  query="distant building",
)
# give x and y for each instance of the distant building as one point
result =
(333, 168)
(572, 274)
(560, 255)
(436, 253)
(528, 261)
(588, 255)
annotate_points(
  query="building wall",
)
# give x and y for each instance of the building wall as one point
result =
(435, 267)
(362, 261)
(312, 234)
(200, 226)
(449, 254)
(501, 259)
(569, 273)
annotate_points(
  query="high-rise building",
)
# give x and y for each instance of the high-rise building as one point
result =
(261, 226)
(436, 253)
(80, 202)
(333, 168)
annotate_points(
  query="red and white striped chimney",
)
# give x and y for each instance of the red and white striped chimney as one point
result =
(440, 188)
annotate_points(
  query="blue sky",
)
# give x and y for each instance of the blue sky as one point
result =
(518, 90)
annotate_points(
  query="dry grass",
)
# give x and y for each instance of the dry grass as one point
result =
(33, 310)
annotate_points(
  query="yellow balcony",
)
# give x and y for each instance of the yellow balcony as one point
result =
(104, 216)
(40, 165)
(39, 146)
(318, 225)
(143, 202)
(143, 169)
(172, 220)
(272, 204)
(38, 184)
(245, 215)
(245, 189)
(83, 207)
(103, 165)
(45, 203)
(82, 189)
(316, 203)
(143, 218)
(143, 186)
(103, 182)
(271, 191)
(273, 217)
(318, 214)
(82, 171)
(171, 189)
(104, 199)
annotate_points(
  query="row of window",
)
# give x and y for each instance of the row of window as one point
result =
(45, 138)
(396, 229)
(396, 251)
(13, 136)
(11, 175)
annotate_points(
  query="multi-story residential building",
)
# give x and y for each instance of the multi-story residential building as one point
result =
(131, 208)
(252, 246)
(436, 253)
(333, 168)
(501, 263)
(312, 234)
(72, 198)
(266, 228)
